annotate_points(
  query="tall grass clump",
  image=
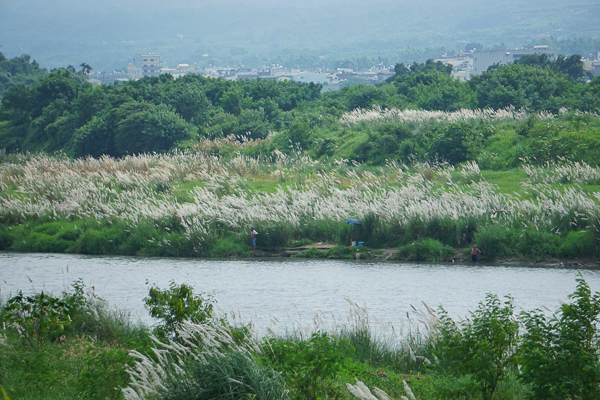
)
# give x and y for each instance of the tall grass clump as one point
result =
(205, 363)
(563, 171)
(405, 351)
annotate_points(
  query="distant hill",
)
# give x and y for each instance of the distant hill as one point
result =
(109, 34)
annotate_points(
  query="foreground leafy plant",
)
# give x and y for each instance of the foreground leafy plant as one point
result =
(559, 355)
(484, 347)
(42, 317)
(308, 364)
(175, 305)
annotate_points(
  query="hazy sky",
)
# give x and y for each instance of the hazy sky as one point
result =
(64, 31)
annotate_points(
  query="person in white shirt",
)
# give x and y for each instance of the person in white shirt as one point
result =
(253, 235)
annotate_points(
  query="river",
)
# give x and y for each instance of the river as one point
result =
(286, 292)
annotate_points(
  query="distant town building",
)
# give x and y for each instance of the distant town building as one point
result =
(133, 72)
(482, 60)
(385, 74)
(150, 64)
(308, 77)
(105, 78)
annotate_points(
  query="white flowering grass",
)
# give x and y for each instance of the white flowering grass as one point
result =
(198, 343)
(133, 189)
(380, 115)
(563, 171)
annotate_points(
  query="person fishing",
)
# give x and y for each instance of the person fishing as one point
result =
(475, 255)
(253, 235)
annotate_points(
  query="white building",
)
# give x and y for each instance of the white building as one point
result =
(482, 60)
(150, 64)
(133, 72)
(307, 77)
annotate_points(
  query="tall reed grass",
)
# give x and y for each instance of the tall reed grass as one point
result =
(186, 200)
(378, 114)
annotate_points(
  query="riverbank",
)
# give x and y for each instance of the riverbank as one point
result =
(93, 353)
(321, 250)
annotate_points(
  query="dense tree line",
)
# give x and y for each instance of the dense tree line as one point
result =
(62, 112)
(18, 70)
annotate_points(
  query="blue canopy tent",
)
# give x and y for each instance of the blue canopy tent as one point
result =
(352, 222)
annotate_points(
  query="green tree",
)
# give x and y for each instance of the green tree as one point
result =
(529, 86)
(361, 96)
(96, 138)
(85, 68)
(571, 66)
(455, 143)
(19, 71)
(434, 90)
(189, 101)
(143, 127)
(231, 101)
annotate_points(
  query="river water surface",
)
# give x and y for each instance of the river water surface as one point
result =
(292, 291)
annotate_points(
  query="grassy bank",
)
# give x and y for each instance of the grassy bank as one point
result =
(197, 205)
(71, 346)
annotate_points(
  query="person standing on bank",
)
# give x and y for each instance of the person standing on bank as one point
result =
(253, 235)
(475, 255)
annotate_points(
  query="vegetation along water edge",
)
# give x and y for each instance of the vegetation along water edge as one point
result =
(193, 204)
(72, 346)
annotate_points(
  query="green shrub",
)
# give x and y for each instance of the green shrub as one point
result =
(482, 348)
(536, 244)
(69, 369)
(465, 231)
(376, 232)
(175, 305)
(139, 238)
(559, 355)
(309, 364)
(228, 246)
(41, 236)
(578, 245)
(496, 240)
(424, 250)
(446, 387)
(6, 237)
(103, 372)
(42, 317)
(389, 355)
(302, 242)
(103, 238)
(273, 236)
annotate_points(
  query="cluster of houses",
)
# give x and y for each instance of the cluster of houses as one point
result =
(464, 64)
(151, 66)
